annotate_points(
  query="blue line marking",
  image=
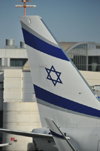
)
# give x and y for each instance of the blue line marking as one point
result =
(59, 101)
(57, 135)
(42, 46)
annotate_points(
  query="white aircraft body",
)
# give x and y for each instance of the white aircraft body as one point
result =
(62, 93)
(62, 143)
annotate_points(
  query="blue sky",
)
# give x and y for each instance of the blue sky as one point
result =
(68, 20)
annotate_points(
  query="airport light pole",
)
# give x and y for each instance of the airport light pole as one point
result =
(25, 6)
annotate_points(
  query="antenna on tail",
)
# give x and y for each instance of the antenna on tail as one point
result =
(25, 6)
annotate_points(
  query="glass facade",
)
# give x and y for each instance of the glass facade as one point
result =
(79, 56)
(97, 46)
(17, 62)
(94, 63)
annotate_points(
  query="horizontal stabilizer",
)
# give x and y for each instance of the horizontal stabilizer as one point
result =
(27, 134)
(62, 143)
(3, 145)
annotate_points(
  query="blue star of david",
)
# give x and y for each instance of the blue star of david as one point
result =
(49, 77)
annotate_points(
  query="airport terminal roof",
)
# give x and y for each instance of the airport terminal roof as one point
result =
(67, 45)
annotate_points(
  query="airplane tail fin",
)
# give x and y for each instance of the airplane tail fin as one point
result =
(61, 92)
(61, 142)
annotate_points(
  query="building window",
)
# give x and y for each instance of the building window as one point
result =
(94, 63)
(81, 46)
(97, 47)
(80, 62)
(17, 62)
(78, 55)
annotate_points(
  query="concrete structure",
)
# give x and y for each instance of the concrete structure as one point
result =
(18, 107)
(13, 85)
(10, 44)
(20, 116)
(20, 110)
(12, 58)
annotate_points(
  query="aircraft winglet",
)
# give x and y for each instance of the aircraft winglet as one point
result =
(62, 143)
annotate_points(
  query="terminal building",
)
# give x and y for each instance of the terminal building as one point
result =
(18, 107)
(85, 55)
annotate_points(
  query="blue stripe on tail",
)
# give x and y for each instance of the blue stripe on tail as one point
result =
(64, 103)
(57, 135)
(42, 46)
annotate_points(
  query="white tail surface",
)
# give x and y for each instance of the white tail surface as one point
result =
(61, 92)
